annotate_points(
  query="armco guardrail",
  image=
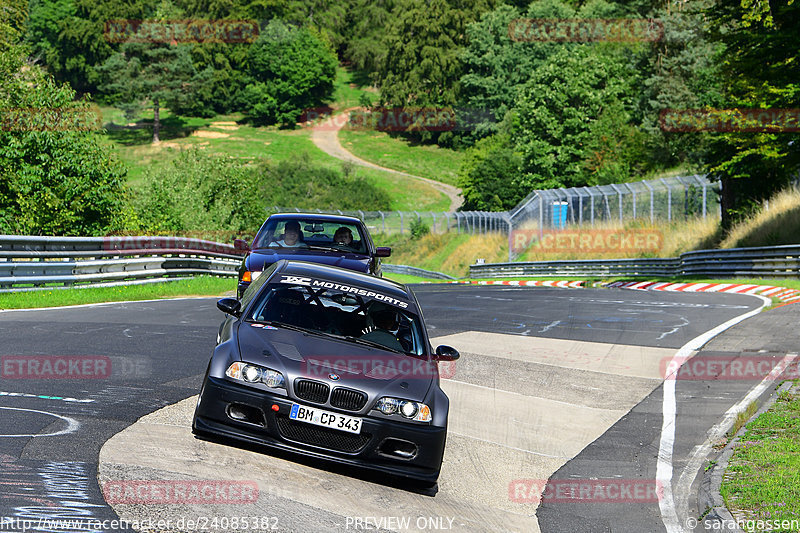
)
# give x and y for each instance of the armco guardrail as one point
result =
(414, 271)
(67, 261)
(760, 262)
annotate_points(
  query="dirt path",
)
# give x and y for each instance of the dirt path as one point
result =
(326, 137)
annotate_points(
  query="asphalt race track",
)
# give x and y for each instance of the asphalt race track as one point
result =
(554, 384)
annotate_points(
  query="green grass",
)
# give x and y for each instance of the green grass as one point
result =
(245, 142)
(198, 286)
(348, 88)
(405, 278)
(763, 476)
(427, 161)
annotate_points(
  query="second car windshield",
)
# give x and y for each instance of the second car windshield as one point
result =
(340, 314)
(310, 233)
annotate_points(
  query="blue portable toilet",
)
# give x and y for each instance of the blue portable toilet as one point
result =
(560, 214)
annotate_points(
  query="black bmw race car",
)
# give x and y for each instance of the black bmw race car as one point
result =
(332, 364)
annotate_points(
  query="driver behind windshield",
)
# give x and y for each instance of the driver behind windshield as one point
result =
(343, 236)
(291, 237)
(385, 322)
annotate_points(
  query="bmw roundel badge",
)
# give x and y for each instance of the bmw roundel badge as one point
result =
(334, 377)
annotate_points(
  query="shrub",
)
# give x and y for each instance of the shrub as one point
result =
(418, 229)
(55, 177)
(200, 192)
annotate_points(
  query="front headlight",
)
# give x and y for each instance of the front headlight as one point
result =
(405, 408)
(255, 374)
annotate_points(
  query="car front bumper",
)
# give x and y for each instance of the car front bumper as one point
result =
(374, 448)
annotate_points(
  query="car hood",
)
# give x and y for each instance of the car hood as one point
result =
(259, 259)
(371, 370)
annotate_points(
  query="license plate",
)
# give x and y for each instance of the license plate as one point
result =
(326, 419)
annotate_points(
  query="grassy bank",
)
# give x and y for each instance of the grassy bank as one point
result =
(232, 137)
(428, 161)
(451, 253)
(763, 477)
(199, 286)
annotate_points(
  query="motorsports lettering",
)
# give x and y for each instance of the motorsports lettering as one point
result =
(309, 282)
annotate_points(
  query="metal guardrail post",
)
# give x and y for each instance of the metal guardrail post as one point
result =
(652, 199)
(704, 185)
(541, 216)
(619, 196)
(633, 192)
(669, 199)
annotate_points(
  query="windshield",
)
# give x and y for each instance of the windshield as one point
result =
(310, 233)
(341, 313)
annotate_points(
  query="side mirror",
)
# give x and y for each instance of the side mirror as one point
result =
(230, 306)
(383, 251)
(446, 353)
(241, 244)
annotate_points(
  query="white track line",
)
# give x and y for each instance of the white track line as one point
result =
(102, 304)
(669, 514)
(700, 453)
(72, 424)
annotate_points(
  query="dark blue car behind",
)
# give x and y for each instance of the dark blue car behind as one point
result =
(316, 244)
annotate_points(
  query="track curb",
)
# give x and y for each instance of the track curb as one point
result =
(784, 294)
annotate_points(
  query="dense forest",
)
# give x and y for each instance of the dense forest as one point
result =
(538, 110)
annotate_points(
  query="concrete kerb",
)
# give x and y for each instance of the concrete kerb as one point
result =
(716, 515)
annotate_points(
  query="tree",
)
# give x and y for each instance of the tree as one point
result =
(367, 21)
(147, 69)
(422, 67)
(12, 21)
(759, 65)
(496, 67)
(555, 113)
(70, 37)
(290, 70)
(327, 18)
(56, 178)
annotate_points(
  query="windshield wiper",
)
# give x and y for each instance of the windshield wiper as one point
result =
(284, 325)
(348, 338)
(373, 344)
(345, 248)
